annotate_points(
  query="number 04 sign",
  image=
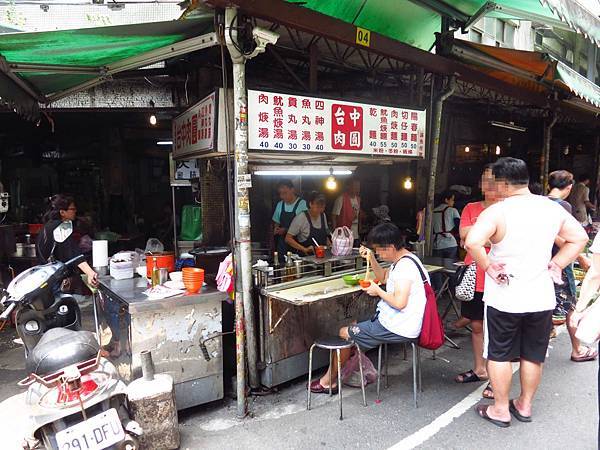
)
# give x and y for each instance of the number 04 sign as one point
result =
(292, 123)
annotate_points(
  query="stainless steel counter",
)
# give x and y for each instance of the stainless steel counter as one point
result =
(293, 314)
(131, 291)
(172, 328)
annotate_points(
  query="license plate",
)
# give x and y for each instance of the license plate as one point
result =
(96, 433)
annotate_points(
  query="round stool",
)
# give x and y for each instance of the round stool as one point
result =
(336, 343)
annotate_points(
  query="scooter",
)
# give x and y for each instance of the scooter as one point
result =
(75, 397)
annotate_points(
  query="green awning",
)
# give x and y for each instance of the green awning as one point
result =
(403, 21)
(584, 18)
(534, 71)
(579, 85)
(50, 65)
(415, 22)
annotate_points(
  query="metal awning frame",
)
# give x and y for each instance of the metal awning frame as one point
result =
(322, 26)
(465, 21)
(475, 57)
(103, 72)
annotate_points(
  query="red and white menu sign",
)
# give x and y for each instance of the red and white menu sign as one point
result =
(194, 130)
(307, 124)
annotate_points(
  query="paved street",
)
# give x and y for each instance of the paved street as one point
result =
(565, 415)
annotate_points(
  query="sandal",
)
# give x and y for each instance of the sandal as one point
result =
(490, 395)
(317, 388)
(482, 412)
(468, 377)
(516, 414)
(589, 355)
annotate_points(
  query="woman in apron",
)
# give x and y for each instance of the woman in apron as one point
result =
(309, 226)
(285, 211)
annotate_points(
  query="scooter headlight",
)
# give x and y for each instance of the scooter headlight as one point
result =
(32, 326)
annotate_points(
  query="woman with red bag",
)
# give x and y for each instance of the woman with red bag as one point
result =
(401, 305)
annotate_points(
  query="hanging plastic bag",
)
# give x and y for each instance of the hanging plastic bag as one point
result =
(225, 282)
(191, 223)
(342, 241)
(153, 245)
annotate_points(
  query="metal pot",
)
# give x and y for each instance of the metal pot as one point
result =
(209, 258)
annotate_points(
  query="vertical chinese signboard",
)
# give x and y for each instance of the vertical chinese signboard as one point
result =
(194, 130)
(306, 124)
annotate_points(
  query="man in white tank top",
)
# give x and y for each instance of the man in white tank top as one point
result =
(519, 292)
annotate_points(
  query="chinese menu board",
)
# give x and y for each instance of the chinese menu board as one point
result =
(194, 130)
(306, 124)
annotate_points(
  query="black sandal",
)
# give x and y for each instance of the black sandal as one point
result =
(516, 414)
(468, 377)
(482, 412)
(488, 388)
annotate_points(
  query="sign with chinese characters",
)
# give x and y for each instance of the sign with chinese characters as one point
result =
(292, 123)
(186, 170)
(194, 130)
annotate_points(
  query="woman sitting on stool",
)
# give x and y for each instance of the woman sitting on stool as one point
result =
(401, 306)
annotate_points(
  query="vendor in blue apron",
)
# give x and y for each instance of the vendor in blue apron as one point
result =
(309, 227)
(287, 208)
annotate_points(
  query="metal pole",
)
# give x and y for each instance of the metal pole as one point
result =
(244, 310)
(174, 221)
(546, 151)
(436, 124)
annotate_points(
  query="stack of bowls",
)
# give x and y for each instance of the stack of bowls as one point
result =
(193, 278)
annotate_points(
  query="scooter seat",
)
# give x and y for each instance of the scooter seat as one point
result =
(59, 348)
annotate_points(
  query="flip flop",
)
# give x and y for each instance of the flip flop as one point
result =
(481, 411)
(468, 377)
(516, 414)
(488, 388)
(317, 388)
(590, 355)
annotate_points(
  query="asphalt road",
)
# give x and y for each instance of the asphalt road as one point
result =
(565, 413)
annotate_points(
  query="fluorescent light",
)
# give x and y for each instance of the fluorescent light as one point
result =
(508, 126)
(308, 172)
(164, 143)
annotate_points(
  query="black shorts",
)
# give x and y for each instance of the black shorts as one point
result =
(473, 310)
(370, 333)
(516, 335)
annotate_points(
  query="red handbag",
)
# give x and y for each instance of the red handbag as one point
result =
(432, 329)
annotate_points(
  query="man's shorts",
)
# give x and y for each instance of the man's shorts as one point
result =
(370, 333)
(516, 335)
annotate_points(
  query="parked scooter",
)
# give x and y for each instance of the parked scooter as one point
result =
(75, 397)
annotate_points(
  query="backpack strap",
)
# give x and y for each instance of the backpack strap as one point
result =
(443, 213)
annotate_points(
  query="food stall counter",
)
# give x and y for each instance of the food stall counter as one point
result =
(183, 332)
(295, 313)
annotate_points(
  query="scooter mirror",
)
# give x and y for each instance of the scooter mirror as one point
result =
(63, 231)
